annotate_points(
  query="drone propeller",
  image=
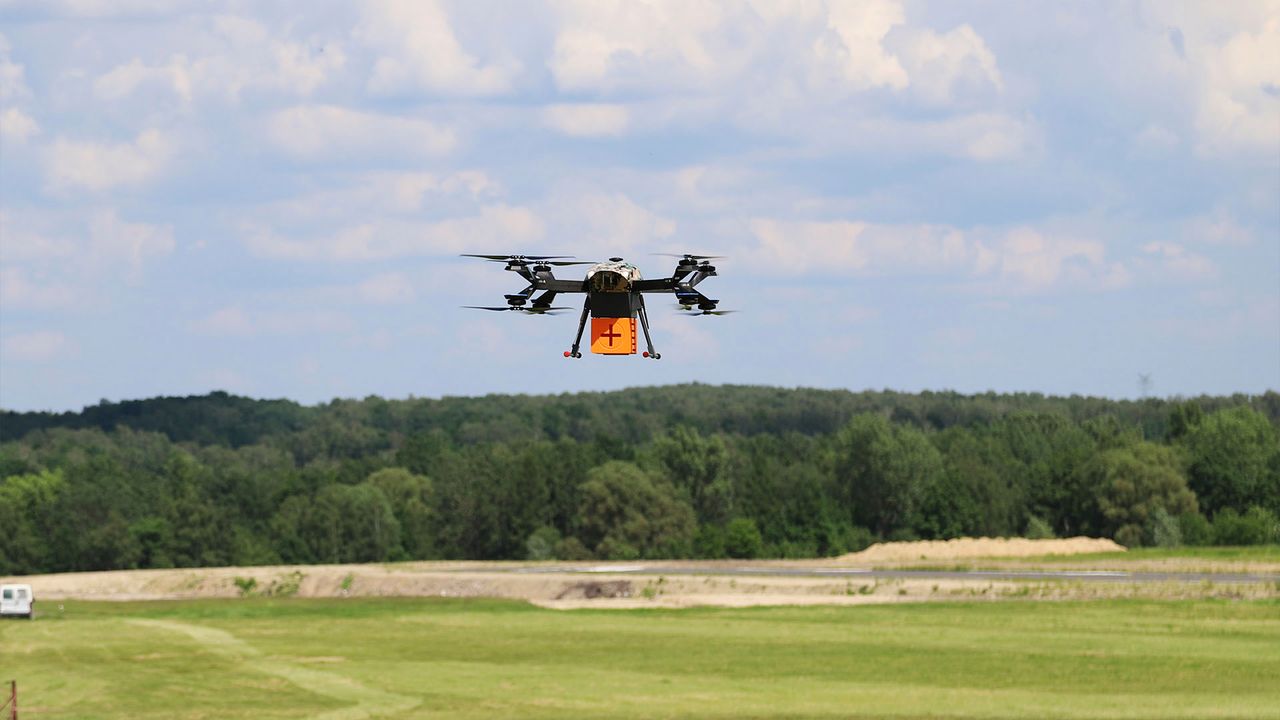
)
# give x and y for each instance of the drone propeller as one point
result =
(689, 311)
(691, 257)
(516, 258)
(563, 263)
(527, 311)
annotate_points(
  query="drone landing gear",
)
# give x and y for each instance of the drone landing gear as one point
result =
(644, 323)
(582, 323)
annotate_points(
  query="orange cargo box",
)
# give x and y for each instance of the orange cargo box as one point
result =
(613, 336)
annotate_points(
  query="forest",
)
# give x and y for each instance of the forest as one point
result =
(676, 471)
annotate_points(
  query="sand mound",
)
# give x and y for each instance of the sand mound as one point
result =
(980, 548)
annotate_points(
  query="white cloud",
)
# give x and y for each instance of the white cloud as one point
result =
(1176, 262)
(386, 193)
(1218, 228)
(607, 224)
(21, 241)
(102, 166)
(39, 346)
(1240, 102)
(419, 51)
(124, 80)
(1019, 260)
(586, 119)
(17, 290)
(943, 65)
(13, 84)
(494, 226)
(1029, 261)
(854, 44)
(17, 127)
(608, 45)
(326, 131)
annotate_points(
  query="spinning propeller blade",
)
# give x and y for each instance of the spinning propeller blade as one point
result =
(509, 258)
(691, 257)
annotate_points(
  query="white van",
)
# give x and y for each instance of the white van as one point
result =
(17, 600)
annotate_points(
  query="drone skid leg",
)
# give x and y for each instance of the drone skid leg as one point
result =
(582, 323)
(644, 323)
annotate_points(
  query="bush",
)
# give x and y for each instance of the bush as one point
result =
(709, 542)
(1162, 529)
(1038, 529)
(1129, 536)
(1256, 527)
(571, 548)
(1195, 529)
(742, 538)
(541, 545)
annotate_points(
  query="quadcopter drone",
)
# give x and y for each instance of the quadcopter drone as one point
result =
(615, 296)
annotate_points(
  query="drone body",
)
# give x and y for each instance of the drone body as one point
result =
(614, 297)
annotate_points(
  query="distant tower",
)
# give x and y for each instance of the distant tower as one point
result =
(1144, 384)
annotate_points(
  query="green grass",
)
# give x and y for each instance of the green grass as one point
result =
(1245, 553)
(281, 658)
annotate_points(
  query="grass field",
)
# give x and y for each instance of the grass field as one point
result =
(480, 659)
(1246, 553)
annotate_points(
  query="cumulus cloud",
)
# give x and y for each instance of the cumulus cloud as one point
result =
(942, 66)
(1240, 100)
(20, 290)
(1019, 260)
(605, 224)
(586, 119)
(418, 50)
(383, 193)
(13, 84)
(103, 166)
(1175, 262)
(854, 44)
(325, 131)
(17, 127)
(494, 226)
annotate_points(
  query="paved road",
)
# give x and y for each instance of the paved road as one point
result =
(1034, 575)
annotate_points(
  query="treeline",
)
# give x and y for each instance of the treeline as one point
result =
(681, 471)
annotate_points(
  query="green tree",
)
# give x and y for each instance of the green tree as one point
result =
(625, 514)
(411, 501)
(885, 471)
(742, 539)
(1132, 483)
(1231, 454)
(696, 465)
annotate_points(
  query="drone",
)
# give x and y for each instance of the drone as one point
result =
(615, 296)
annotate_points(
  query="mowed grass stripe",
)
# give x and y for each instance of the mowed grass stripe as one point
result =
(277, 658)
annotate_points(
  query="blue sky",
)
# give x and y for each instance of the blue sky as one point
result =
(269, 198)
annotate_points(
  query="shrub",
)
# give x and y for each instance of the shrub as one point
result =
(1038, 529)
(742, 538)
(1195, 529)
(1162, 529)
(541, 545)
(710, 542)
(246, 585)
(571, 548)
(1256, 527)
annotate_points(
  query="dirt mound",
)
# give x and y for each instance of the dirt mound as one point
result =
(979, 548)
